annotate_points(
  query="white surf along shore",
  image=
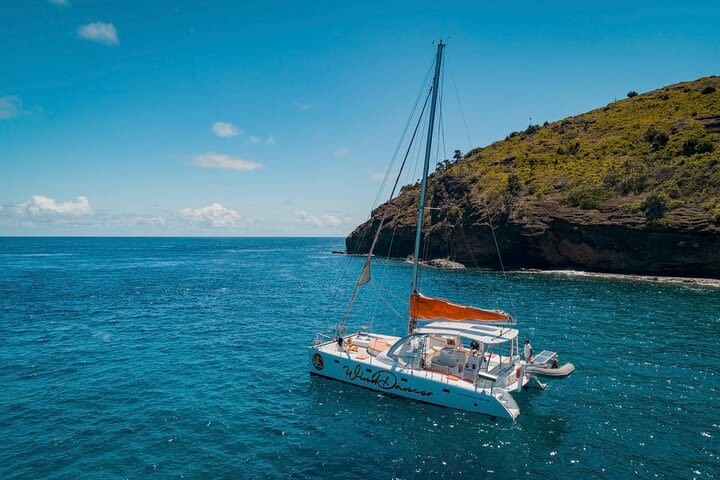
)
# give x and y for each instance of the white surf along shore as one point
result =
(688, 281)
(447, 264)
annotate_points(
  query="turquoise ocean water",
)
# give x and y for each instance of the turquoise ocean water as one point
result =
(185, 358)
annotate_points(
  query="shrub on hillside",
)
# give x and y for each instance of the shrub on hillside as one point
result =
(444, 165)
(513, 185)
(574, 148)
(472, 152)
(657, 138)
(635, 183)
(694, 145)
(630, 177)
(612, 178)
(632, 93)
(571, 148)
(454, 213)
(587, 196)
(714, 210)
(409, 187)
(654, 206)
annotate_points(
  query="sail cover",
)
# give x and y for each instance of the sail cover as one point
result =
(427, 308)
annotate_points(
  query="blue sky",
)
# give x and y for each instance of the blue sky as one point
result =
(275, 118)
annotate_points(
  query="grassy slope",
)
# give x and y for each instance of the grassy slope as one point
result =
(621, 154)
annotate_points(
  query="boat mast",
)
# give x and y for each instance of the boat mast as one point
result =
(426, 166)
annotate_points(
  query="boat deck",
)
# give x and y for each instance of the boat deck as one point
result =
(359, 352)
(382, 343)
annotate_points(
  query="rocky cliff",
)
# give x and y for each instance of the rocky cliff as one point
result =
(633, 187)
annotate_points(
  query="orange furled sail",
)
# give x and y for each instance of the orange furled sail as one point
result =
(426, 308)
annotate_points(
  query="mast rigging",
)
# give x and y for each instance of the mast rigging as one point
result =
(423, 185)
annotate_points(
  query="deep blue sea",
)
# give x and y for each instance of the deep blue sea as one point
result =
(186, 358)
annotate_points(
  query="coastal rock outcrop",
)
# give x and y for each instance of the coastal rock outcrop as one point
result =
(633, 187)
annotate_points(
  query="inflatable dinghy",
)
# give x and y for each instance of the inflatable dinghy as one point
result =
(549, 371)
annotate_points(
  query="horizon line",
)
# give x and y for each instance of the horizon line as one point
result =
(170, 236)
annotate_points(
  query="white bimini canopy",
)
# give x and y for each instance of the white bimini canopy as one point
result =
(483, 333)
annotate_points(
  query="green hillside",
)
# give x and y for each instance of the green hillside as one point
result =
(650, 152)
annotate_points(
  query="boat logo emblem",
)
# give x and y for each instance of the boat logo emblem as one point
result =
(317, 361)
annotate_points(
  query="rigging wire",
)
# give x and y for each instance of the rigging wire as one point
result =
(402, 137)
(441, 130)
(423, 86)
(341, 326)
(440, 133)
(394, 229)
(457, 94)
(412, 179)
(392, 239)
(380, 295)
(487, 206)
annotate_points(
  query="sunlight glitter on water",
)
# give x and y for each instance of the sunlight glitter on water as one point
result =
(186, 357)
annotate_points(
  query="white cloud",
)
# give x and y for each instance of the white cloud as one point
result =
(307, 219)
(304, 107)
(46, 212)
(40, 205)
(214, 215)
(270, 140)
(378, 176)
(326, 220)
(136, 220)
(226, 129)
(99, 32)
(10, 106)
(254, 139)
(149, 220)
(332, 221)
(221, 160)
(341, 152)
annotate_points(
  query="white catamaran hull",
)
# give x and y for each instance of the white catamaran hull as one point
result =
(425, 386)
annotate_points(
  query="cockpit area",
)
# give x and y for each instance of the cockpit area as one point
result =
(466, 350)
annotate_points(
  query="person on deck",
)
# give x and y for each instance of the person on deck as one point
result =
(527, 351)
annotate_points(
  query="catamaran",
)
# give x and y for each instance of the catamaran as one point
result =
(453, 355)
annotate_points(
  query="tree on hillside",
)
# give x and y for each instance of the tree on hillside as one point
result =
(445, 164)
